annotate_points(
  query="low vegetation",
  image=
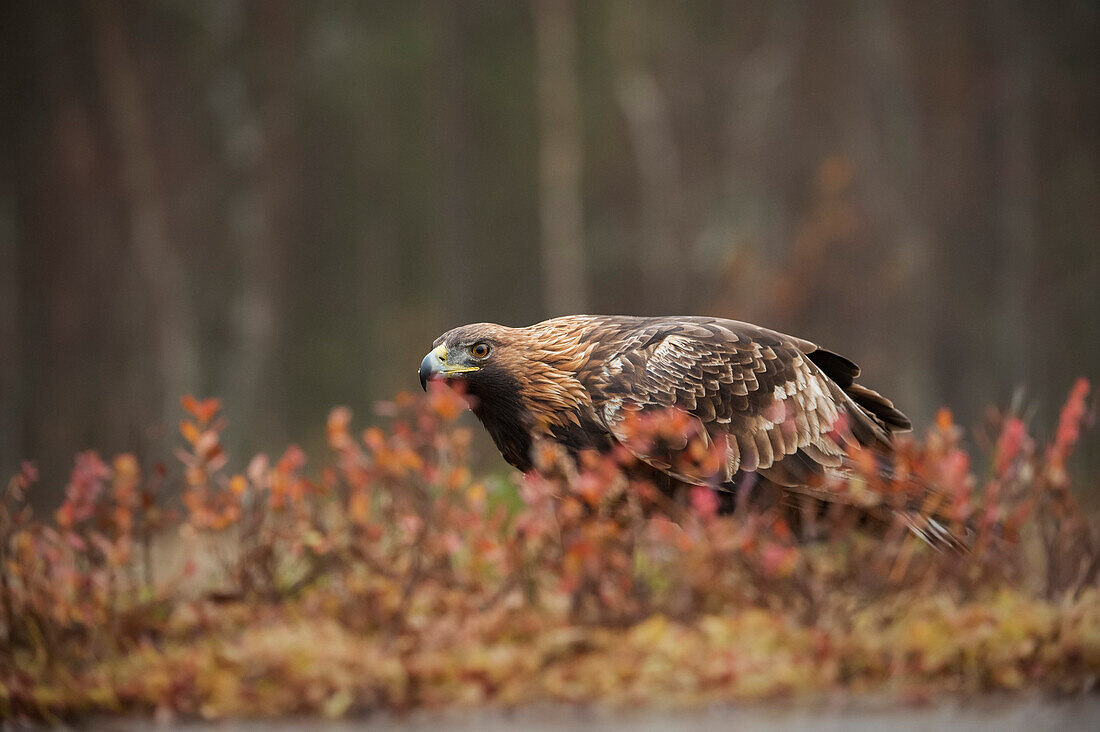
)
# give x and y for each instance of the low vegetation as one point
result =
(391, 577)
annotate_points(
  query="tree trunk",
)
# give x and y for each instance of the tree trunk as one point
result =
(150, 245)
(264, 222)
(560, 157)
(664, 258)
(457, 272)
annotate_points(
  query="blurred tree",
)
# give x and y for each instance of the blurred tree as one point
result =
(263, 209)
(560, 157)
(141, 199)
(456, 255)
(664, 266)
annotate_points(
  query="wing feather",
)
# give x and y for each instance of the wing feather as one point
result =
(764, 395)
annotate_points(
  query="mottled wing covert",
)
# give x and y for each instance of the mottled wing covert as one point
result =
(757, 395)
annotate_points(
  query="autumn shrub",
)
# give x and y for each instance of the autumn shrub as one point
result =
(392, 577)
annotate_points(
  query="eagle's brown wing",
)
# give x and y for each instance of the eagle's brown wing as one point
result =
(772, 403)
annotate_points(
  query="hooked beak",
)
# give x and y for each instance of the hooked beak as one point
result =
(432, 366)
(435, 365)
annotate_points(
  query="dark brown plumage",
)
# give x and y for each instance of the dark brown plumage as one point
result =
(770, 403)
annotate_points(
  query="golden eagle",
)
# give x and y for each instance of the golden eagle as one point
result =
(771, 404)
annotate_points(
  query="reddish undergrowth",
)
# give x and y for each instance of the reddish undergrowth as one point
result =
(391, 577)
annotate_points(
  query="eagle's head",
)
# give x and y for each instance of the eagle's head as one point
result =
(524, 384)
(481, 360)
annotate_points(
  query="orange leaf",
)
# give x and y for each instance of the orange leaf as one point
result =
(189, 403)
(944, 419)
(189, 431)
(238, 484)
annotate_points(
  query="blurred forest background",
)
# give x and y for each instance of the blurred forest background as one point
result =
(283, 203)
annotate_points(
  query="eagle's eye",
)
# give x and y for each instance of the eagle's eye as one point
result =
(479, 350)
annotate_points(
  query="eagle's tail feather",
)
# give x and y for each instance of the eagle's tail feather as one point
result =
(835, 366)
(880, 415)
(879, 406)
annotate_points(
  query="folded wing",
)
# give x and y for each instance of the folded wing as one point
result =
(770, 403)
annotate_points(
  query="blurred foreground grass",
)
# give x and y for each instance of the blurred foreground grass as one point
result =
(392, 578)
